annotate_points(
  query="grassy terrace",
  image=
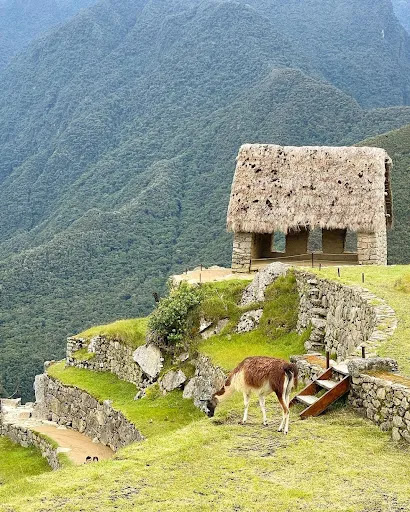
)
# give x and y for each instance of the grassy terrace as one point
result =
(153, 415)
(17, 462)
(393, 285)
(336, 462)
(130, 331)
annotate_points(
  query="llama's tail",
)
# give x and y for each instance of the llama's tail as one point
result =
(292, 372)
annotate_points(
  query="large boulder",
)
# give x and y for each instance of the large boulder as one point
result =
(255, 292)
(149, 359)
(172, 380)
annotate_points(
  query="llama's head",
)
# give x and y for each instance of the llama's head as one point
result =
(211, 406)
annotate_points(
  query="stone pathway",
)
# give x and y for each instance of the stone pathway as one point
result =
(75, 445)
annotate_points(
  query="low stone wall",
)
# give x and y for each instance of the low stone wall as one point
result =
(343, 318)
(26, 437)
(73, 407)
(107, 356)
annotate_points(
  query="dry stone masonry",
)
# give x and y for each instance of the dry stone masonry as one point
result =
(343, 318)
(106, 355)
(27, 437)
(73, 407)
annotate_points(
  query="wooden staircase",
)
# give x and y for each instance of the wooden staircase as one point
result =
(330, 386)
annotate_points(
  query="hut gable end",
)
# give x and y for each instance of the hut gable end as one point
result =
(278, 188)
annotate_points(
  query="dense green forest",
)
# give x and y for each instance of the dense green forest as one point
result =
(402, 11)
(118, 138)
(22, 21)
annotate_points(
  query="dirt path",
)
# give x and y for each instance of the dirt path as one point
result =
(205, 275)
(75, 445)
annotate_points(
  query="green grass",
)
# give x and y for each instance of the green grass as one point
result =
(338, 462)
(275, 335)
(229, 350)
(130, 331)
(386, 283)
(159, 415)
(83, 355)
(17, 462)
(221, 299)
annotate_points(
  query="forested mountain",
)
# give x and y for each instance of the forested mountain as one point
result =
(118, 138)
(22, 21)
(402, 10)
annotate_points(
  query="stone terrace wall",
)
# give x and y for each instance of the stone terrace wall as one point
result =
(108, 356)
(26, 437)
(343, 318)
(385, 402)
(73, 407)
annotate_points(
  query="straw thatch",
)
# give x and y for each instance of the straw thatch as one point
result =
(277, 188)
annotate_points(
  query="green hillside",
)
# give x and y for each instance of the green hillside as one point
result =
(22, 21)
(402, 10)
(397, 144)
(118, 141)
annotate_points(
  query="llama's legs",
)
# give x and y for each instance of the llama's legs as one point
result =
(263, 409)
(246, 398)
(284, 425)
(285, 407)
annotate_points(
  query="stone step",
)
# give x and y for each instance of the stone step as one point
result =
(307, 399)
(327, 384)
(341, 368)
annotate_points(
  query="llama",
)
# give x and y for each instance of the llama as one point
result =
(264, 375)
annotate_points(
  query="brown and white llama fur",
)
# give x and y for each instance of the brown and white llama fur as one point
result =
(262, 375)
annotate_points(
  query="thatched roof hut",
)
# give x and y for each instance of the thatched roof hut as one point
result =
(278, 188)
(294, 190)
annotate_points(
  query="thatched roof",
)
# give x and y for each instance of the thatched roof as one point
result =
(277, 188)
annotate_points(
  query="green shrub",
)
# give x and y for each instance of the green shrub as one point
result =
(176, 318)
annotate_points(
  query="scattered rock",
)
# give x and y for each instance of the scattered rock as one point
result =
(150, 360)
(249, 320)
(255, 292)
(172, 380)
(214, 329)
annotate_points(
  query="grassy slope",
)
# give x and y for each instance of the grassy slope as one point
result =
(17, 462)
(381, 281)
(152, 415)
(324, 463)
(130, 331)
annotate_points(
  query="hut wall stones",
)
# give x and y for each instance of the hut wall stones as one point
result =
(73, 407)
(343, 318)
(242, 252)
(372, 248)
(295, 190)
(107, 355)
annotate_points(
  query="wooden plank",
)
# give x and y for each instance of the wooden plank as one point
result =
(328, 398)
(307, 399)
(326, 384)
(313, 387)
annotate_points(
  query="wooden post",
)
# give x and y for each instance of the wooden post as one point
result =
(363, 352)
(362, 277)
(200, 277)
(327, 359)
(320, 266)
(338, 271)
(201, 267)
(312, 260)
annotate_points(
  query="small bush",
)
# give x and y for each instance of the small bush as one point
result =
(176, 318)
